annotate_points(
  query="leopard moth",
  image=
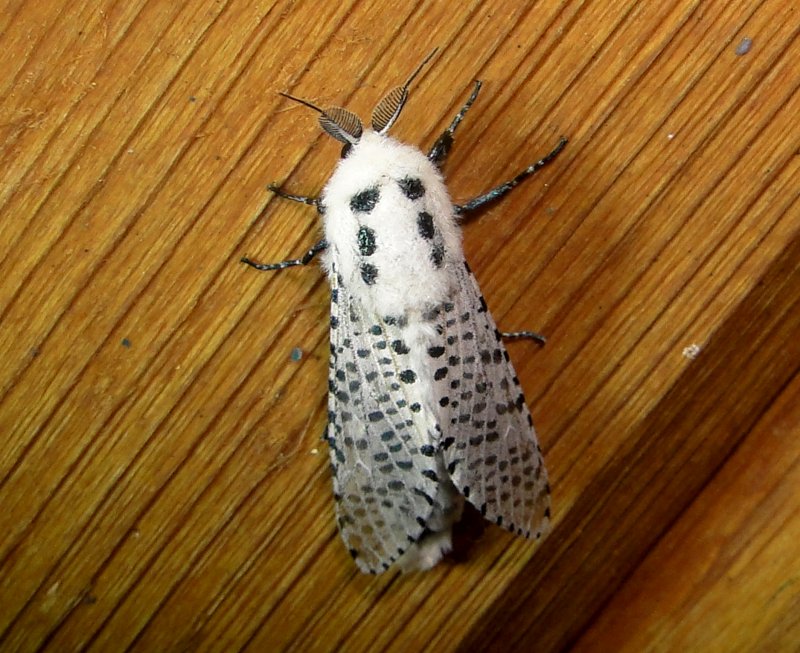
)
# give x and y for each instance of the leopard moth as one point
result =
(424, 407)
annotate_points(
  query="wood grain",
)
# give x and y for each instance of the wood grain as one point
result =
(725, 575)
(162, 481)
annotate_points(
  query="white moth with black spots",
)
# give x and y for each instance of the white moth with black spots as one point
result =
(425, 409)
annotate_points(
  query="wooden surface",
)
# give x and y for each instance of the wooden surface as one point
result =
(162, 481)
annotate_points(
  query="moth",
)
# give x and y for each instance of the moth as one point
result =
(425, 410)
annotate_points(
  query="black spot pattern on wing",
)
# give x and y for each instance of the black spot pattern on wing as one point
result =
(491, 454)
(382, 455)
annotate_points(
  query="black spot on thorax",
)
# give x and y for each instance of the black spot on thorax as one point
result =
(369, 273)
(366, 241)
(412, 187)
(366, 200)
(425, 225)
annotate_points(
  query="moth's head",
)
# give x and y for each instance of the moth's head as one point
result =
(346, 126)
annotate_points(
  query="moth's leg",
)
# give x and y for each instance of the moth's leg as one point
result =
(303, 199)
(498, 192)
(526, 335)
(303, 260)
(311, 253)
(441, 148)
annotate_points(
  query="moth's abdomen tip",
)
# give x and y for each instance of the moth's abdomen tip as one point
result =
(427, 552)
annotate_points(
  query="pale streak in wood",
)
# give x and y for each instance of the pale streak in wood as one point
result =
(164, 496)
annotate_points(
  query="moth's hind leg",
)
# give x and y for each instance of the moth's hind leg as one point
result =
(441, 148)
(524, 335)
(498, 191)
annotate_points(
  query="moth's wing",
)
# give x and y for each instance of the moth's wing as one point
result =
(489, 443)
(380, 436)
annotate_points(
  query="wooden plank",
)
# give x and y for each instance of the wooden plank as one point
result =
(725, 577)
(161, 476)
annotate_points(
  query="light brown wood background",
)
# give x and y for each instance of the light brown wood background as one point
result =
(163, 486)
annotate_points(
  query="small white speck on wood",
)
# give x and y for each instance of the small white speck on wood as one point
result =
(692, 351)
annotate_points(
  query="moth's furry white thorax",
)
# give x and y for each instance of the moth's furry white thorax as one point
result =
(396, 245)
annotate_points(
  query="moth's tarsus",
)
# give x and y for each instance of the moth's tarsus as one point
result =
(524, 335)
(282, 265)
(499, 191)
(303, 199)
(441, 148)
